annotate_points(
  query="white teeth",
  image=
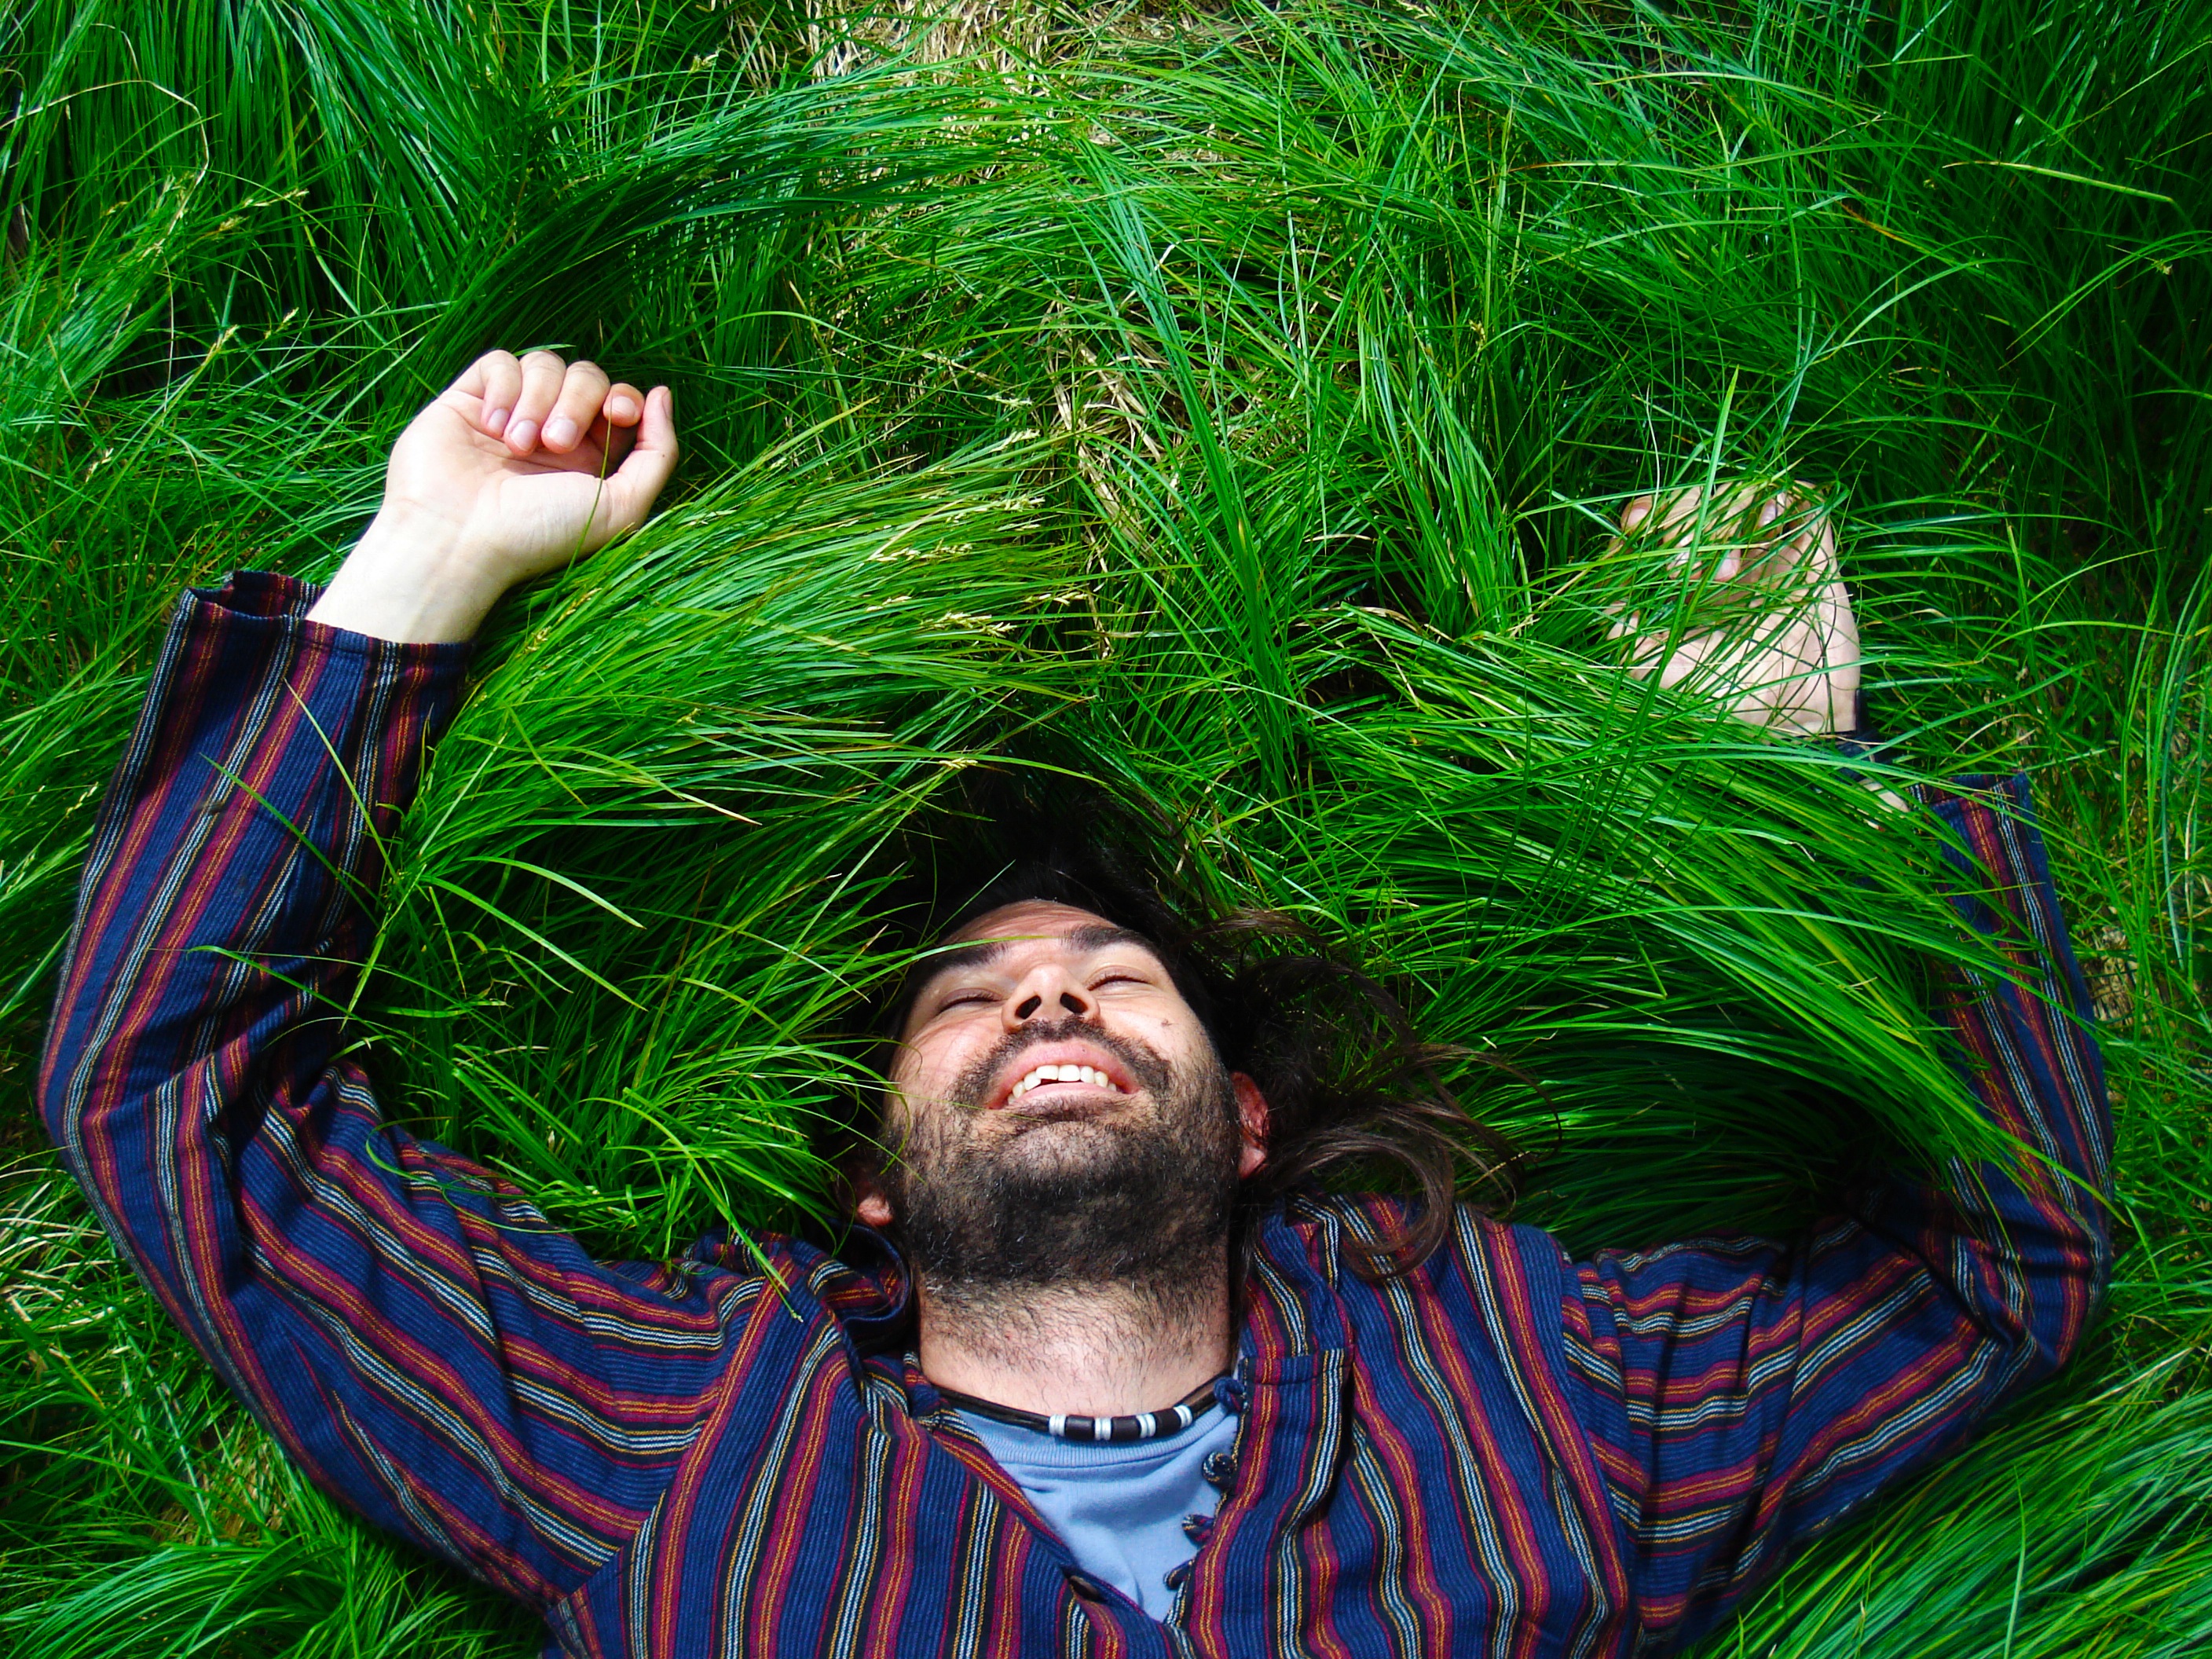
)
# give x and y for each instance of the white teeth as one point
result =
(1061, 1074)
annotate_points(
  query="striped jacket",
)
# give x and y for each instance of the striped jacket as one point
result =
(1507, 1453)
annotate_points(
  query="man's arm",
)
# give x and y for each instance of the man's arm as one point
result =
(411, 1330)
(1742, 1396)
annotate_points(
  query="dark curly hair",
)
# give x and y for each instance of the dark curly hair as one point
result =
(1354, 1094)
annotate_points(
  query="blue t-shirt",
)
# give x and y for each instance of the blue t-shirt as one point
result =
(1119, 1507)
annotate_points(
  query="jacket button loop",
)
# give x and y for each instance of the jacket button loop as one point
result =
(1219, 1469)
(1176, 1576)
(1196, 1527)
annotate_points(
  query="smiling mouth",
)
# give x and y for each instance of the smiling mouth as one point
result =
(1039, 1077)
(1068, 1069)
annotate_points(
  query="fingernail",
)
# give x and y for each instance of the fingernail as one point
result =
(522, 434)
(496, 421)
(560, 432)
(620, 409)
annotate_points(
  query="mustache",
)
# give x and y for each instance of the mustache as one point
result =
(1151, 1072)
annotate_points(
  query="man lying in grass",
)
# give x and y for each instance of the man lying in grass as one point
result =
(1086, 1401)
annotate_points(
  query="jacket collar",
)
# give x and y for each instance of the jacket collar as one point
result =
(1287, 1308)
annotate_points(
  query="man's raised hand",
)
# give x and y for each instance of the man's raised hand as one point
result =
(514, 470)
(1763, 621)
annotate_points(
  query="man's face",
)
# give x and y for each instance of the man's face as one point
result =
(1056, 1109)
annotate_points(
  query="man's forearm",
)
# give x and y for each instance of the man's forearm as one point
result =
(223, 896)
(2033, 1061)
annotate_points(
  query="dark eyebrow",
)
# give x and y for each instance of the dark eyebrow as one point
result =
(1093, 936)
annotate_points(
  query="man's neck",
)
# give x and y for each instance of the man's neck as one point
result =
(1108, 1351)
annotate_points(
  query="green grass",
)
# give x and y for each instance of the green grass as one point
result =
(1226, 403)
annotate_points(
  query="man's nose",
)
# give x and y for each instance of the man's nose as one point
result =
(1046, 992)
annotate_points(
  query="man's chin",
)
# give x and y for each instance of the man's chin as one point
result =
(1063, 1196)
(1060, 1140)
(1020, 1122)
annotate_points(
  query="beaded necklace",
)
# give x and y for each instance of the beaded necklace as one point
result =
(1145, 1426)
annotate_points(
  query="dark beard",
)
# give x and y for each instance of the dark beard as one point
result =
(1143, 1205)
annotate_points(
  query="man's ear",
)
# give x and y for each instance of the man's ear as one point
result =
(1252, 1119)
(871, 1207)
(861, 1171)
(861, 1191)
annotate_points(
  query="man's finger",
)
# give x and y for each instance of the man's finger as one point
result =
(494, 381)
(502, 387)
(583, 392)
(1819, 556)
(633, 486)
(543, 373)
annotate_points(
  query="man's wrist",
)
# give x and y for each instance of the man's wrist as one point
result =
(1864, 740)
(411, 578)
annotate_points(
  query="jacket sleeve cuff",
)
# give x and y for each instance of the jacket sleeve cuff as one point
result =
(247, 596)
